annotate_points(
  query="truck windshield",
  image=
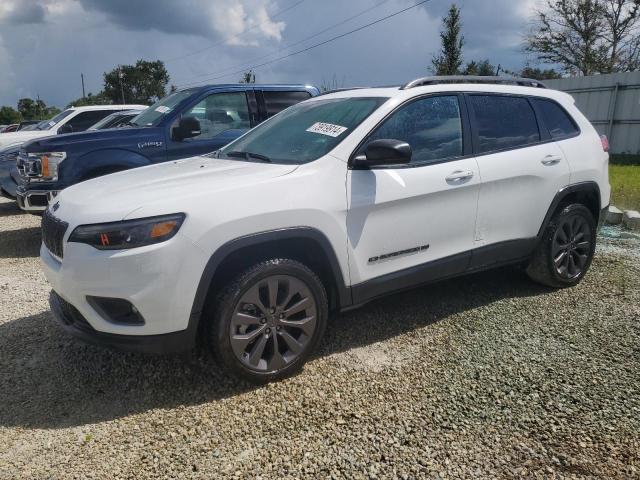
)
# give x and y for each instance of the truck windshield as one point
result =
(52, 122)
(152, 115)
(303, 132)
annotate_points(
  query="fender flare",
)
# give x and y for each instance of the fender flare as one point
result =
(589, 187)
(306, 233)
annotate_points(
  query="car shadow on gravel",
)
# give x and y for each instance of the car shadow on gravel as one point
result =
(10, 208)
(50, 380)
(20, 243)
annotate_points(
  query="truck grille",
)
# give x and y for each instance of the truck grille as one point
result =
(53, 230)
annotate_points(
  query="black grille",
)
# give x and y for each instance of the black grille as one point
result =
(53, 230)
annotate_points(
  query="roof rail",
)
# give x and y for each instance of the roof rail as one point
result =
(336, 90)
(525, 82)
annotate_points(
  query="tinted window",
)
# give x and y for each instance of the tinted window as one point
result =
(84, 120)
(557, 121)
(277, 101)
(305, 131)
(220, 112)
(504, 122)
(432, 126)
(47, 124)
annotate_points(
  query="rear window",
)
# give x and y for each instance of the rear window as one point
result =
(556, 119)
(504, 122)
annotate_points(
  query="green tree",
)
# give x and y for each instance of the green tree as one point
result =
(9, 115)
(145, 82)
(482, 68)
(449, 60)
(539, 74)
(587, 36)
(98, 99)
(248, 77)
(31, 109)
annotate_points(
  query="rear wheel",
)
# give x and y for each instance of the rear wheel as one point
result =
(264, 326)
(566, 250)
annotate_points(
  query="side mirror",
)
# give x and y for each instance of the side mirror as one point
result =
(188, 127)
(385, 151)
(66, 128)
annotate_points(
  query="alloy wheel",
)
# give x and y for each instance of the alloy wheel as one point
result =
(273, 323)
(571, 247)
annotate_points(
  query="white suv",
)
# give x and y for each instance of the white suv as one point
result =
(333, 202)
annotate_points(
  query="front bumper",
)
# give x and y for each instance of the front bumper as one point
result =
(72, 321)
(159, 280)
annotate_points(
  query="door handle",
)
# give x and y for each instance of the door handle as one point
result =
(459, 176)
(550, 160)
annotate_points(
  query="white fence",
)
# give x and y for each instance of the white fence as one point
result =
(612, 103)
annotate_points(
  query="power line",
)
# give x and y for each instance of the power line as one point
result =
(253, 27)
(337, 37)
(284, 47)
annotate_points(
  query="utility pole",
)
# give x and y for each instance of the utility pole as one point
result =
(120, 76)
(82, 78)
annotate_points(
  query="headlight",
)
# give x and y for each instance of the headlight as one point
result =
(128, 233)
(44, 166)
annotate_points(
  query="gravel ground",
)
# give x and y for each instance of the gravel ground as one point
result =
(489, 376)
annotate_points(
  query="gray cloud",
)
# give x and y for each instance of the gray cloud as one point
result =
(92, 36)
(22, 13)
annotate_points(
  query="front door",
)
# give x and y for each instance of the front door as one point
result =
(415, 221)
(223, 117)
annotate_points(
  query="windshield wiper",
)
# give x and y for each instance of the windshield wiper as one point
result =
(248, 155)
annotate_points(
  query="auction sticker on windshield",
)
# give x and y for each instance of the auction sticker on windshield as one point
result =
(326, 129)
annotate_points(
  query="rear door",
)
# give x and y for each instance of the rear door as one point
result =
(521, 167)
(223, 117)
(273, 101)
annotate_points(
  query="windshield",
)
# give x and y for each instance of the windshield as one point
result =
(48, 124)
(152, 115)
(303, 132)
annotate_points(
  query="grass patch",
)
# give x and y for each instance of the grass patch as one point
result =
(624, 159)
(625, 186)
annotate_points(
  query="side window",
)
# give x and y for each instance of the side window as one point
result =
(84, 120)
(556, 119)
(275, 102)
(220, 112)
(432, 126)
(504, 122)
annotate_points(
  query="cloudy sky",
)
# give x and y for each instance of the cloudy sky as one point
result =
(46, 44)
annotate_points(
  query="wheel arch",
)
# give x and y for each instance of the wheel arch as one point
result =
(105, 160)
(304, 244)
(585, 193)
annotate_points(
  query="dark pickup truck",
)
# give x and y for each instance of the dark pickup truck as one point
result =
(183, 124)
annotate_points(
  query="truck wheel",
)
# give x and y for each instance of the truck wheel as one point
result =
(566, 250)
(268, 321)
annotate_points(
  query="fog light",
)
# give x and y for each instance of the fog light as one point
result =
(116, 310)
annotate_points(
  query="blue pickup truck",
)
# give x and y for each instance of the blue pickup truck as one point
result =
(183, 124)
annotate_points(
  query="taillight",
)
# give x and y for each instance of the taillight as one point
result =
(605, 142)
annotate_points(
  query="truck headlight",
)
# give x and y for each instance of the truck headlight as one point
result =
(44, 166)
(128, 233)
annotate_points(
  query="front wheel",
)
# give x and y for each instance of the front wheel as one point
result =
(268, 321)
(566, 250)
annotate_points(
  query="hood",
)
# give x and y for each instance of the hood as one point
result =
(163, 188)
(22, 136)
(90, 140)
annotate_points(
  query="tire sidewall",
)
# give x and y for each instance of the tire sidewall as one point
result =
(219, 339)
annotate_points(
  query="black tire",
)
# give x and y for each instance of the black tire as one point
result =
(558, 263)
(232, 318)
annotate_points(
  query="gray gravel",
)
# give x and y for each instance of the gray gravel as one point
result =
(489, 376)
